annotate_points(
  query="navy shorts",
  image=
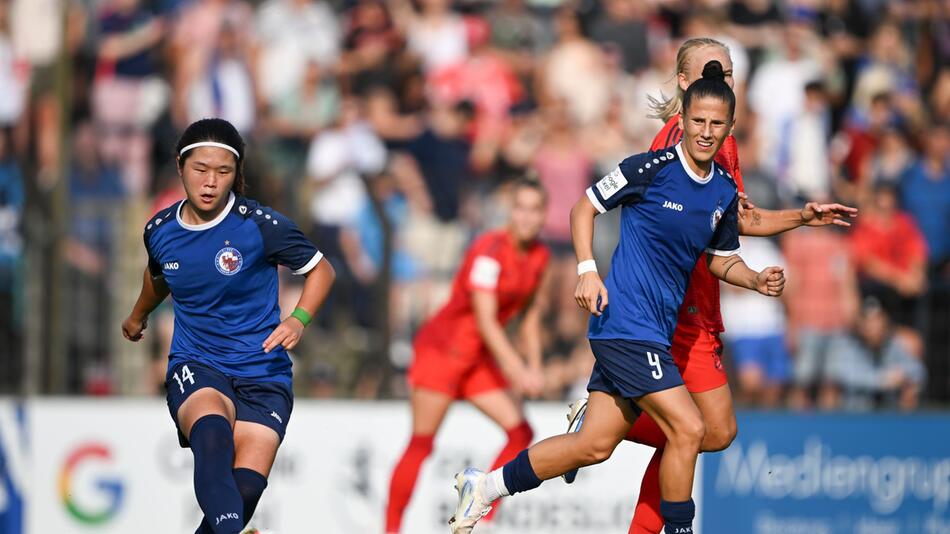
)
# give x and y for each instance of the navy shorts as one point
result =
(632, 369)
(263, 402)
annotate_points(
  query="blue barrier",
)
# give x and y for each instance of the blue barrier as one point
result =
(830, 474)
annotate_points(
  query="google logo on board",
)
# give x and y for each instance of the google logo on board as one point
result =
(111, 488)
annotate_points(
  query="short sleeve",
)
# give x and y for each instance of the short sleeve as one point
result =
(628, 182)
(154, 266)
(725, 240)
(284, 243)
(484, 273)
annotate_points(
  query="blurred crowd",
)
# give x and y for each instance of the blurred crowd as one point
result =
(390, 130)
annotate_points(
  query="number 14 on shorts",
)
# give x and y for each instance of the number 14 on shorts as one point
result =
(188, 376)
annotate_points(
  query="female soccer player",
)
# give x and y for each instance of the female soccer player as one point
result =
(676, 204)
(696, 345)
(229, 379)
(463, 351)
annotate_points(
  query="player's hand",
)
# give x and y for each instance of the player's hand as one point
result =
(287, 333)
(591, 294)
(770, 281)
(815, 214)
(532, 382)
(133, 328)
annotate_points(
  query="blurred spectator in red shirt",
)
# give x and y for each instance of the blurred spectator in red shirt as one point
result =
(890, 257)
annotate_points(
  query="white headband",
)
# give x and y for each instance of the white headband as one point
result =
(209, 143)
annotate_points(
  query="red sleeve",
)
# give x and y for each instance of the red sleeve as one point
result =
(669, 135)
(728, 157)
(914, 242)
(482, 265)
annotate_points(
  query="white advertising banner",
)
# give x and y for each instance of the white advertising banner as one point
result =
(116, 467)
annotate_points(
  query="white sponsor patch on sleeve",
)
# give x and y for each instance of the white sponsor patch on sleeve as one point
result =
(610, 184)
(485, 271)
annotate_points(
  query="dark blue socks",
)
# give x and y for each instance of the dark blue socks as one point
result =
(678, 516)
(212, 444)
(519, 475)
(251, 484)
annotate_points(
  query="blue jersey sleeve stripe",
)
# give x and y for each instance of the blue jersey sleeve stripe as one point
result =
(595, 201)
(310, 264)
(715, 252)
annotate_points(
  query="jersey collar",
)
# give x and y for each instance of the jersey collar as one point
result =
(696, 178)
(210, 224)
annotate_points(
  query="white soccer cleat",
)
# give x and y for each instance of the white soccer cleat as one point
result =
(575, 419)
(471, 506)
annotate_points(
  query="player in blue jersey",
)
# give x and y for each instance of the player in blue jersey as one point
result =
(229, 378)
(676, 204)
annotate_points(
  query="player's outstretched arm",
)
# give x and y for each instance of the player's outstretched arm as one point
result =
(316, 287)
(590, 294)
(760, 222)
(154, 291)
(731, 269)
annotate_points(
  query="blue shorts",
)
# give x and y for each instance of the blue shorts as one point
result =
(256, 401)
(766, 353)
(632, 369)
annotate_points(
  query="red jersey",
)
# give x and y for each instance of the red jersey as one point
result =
(701, 303)
(492, 263)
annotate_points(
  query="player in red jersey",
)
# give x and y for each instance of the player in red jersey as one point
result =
(696, 345)
(463, 352)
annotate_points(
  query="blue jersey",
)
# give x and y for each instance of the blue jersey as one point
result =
(670, 216)
(223, 280)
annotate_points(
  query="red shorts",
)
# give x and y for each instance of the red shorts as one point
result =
(697, 352)
(460, 378)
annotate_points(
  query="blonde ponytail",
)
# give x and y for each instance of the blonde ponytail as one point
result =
(665, 108)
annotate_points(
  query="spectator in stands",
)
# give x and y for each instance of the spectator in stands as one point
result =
(574, 72)
(225, 86)
(890, 256)
(777, 89)
(340, 158)
(622, 25)
(755, 332)
(822, 299)
(293, 36)
(442, 153)
(436, 33)
(805, 168)
(128, 95)
(925, 194)
(873, 366)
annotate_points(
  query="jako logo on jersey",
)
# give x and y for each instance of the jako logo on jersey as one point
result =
(93, 457)
(171, 266)
(610, 184)
(228, 261)
(673, 206)
(714, 220)
(225, 517)
(275, 416)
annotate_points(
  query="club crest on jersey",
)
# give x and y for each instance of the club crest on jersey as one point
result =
(228, 261)
(714, 220)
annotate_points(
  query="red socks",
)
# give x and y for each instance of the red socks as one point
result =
(419, 448)
(404, 479)
(647, 518)
(519, 438)
(646, 431)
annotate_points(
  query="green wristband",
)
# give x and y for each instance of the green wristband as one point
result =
(301, 315)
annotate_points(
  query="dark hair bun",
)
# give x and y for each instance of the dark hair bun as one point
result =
(713, 71)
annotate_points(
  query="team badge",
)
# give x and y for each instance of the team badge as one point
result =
(714, 220)
(228, 261)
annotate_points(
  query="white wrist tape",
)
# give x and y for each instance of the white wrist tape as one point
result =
(586, 266)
